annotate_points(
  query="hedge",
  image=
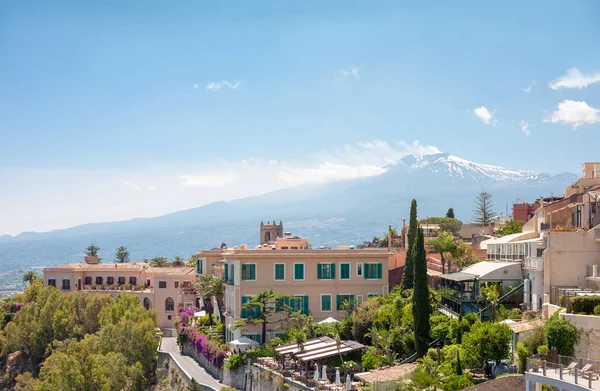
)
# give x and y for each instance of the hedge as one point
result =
(584, 304)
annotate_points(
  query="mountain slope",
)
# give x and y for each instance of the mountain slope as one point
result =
(339, 212)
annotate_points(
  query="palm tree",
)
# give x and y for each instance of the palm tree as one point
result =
(192, 261)
(30, 277)
(444, 244)
(178, 262)
(205, 291)
(159, 262)
(218, 291)
(463, 255)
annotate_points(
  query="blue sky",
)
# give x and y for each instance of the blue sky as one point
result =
(111, 110)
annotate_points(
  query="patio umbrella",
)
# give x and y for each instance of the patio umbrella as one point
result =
(348, 382)
(316, 372)
(324, 375)
(338, 382)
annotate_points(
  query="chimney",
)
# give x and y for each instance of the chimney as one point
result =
(91, 260)
(403, 223)
(287, 235)
(145, 260)
(389, 238)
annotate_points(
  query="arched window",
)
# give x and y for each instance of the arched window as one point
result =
(267, 237)
(169, 304)
(147, 303)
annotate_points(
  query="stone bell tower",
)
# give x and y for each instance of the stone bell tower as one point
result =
(270, 232)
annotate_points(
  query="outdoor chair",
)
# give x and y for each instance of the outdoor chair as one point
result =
(572, 366)
(586, 368)
(588, 373)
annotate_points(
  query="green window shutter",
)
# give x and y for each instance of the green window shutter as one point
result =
(244, 270)
(279, 272)
(366, 270)
(319, 271)
(244, 311)
(299, 271)
(333, 271)
(379, 270)
(344, 271)
(199, 266)
(338, 302)
(252, 272)
(232, 276)
(305, 302)
(226, 273)
(325, 303)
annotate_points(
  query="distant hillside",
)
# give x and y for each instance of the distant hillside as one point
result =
(345, 212)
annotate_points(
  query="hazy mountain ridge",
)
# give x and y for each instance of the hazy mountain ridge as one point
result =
(344, 212)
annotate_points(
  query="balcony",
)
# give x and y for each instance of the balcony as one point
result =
(118, 288)
(569, 373)
(533, 263)
(593, 272)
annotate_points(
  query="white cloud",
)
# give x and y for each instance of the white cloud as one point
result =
(416, 148)
(327, 172)
(352, 72)
(574, 79)
(574, 113)
(152, 188)
(216, 86)
(206, 180)
(485, 115)
(196, 86)
(528, 88)
(272, 162)
(132, 185)
(526, 128)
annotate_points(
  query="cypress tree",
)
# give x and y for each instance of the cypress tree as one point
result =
(459, 371)
(409, 267)
(421, 308)
(460, 331)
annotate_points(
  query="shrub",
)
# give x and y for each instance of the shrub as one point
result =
(370, 360)
(456, 382)
(227, 388)
(597, 310)
(585, 304)
(486, 341)
(562, 335)
(234, 362)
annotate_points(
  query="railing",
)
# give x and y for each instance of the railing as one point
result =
(533, 263)
(544, 226)
(413, 356)
(117, 288)
(567, 369)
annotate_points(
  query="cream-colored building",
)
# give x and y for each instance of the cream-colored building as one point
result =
(319, 280)
(160, 288)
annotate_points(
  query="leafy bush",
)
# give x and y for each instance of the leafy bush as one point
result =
(586, 304)
(486, 341)
(370, 360)
(234, 362)
(562, 335)
(597, 310)
(456, 382)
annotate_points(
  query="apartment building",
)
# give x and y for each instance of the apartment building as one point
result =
(160, 288)
(319, 280)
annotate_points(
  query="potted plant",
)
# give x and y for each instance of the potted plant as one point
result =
(103, 287)
(94, 287)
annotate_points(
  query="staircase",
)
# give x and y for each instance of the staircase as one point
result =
(413, 356)
(502, 298)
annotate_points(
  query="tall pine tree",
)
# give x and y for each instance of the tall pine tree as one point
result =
(409, 268)
(421, 308)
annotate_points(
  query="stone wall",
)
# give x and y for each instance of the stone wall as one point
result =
(589, 339)
(166, 366)
(264, 379)
(233, 378)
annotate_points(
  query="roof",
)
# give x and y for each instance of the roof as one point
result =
(318, 348)
(521, 326)
(130, 266)
(459, 276)
(386, 374)
(512, 238)
(488, 270)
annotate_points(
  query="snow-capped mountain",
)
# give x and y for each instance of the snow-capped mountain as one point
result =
(344, 212)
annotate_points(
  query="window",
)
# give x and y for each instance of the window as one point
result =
(199, 265)
(373, 295)
(325, 303)
(52, 282)
(162, 284)
(169, 304)
(148, 282)
(99, 280)
(299, 271)
(146, 303)
(121, 280)
(359, 300)
(87, 281)
(66, 285)
(344, 271)
(298, 304)
(373, 271)
(249, 271)
(176, 284)
(133, 280)
(326, 271)
(359, 269)
(251, 312)
(280, 272)
(254, 337)
(110, 280)
(344, 298)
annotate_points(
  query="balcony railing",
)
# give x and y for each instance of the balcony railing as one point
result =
(533, 263)
(573, 370)
(117, 288)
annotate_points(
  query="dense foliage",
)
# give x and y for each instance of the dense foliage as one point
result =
(409, 268)
(486, 341)
(421, 306)
(511, 227)
(77, 341)
(210, 348)
(584, 304)
(562, 335)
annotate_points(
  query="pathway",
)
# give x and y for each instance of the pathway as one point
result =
(188, 364)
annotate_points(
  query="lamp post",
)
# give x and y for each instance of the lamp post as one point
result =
(438, 346)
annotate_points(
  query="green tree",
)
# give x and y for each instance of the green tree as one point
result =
(218, 291)
(462, 254)
(260, 310)
(159, 262)
(26, 382)
(205, 291)
(193, 261)
(60, 372)
(30, 277)
(421, 306)
(383, 242)
(562, 335)
(459, 370)
(450, 213)
(511, 227)
(484, 209)
(409, 268)
(444, 244)
(178, 262)
(486, 341)
(92, 251)
(122, 255)
(488, 296)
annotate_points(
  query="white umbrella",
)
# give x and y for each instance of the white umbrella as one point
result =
(338, 382)
(316, 372)
(348, 382)
(324, 374)
(329, 320)
(199, 314)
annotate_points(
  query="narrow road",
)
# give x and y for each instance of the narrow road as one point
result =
(188, 364)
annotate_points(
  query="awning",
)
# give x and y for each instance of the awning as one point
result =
(329, 320)
(243, 341)
(460, 276)
(319, 348)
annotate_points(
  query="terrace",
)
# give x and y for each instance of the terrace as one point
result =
(568, 373)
